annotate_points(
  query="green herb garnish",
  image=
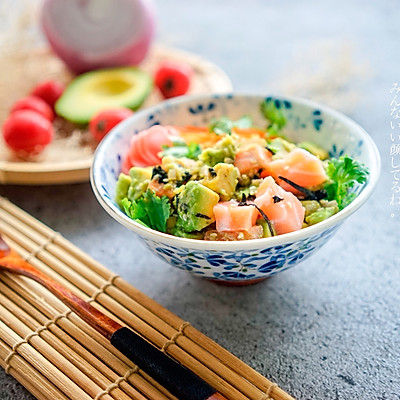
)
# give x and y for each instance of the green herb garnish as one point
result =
(274, 115)
(224, 125)
(343, 173)
(149, 210)
(180, 149)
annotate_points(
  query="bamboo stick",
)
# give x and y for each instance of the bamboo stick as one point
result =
(85, 340)
(42, 364)
(67, 348)
(30, 378)
(50, 353)
(122, 298)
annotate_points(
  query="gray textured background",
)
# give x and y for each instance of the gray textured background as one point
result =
(328, 328)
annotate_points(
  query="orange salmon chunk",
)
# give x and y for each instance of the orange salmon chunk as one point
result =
(230, 217)
(283, 208)
(299, 166)
(251, 158)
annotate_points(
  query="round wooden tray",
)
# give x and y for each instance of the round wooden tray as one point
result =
(68, 158)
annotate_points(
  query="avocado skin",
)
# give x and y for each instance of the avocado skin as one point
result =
(102, 89)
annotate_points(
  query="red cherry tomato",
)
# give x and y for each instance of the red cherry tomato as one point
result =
(173, 78)
(49, 91)
(27, 131)
(105, 120)
(35, 104)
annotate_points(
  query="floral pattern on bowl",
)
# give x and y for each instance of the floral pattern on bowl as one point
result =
(240, 265)
(240, 261)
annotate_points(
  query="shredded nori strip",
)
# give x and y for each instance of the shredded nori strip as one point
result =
(243, 201)
(160, 172)
(185, 179)
(200, 215)
(212, 172)
(309, 194)
(266, 219)
(277, 199)
(270, 150)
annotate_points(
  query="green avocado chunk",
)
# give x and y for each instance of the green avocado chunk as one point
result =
(222, 179)
(223, 151)
(103, 89)
(195, 205)
(122, 188)
(140, 178)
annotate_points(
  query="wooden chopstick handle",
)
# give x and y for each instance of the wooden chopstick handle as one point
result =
(179, 380)
(94, 317)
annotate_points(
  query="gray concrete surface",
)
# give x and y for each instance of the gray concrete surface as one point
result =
(328, 328)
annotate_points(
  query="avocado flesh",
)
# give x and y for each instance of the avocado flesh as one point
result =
(103, 89)
(195, 207)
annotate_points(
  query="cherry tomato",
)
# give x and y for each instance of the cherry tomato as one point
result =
(173, 78)
(49, 91)
(26, 131)
(105, 120)
(34, 103)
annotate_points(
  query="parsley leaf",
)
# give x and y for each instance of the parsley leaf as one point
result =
(274, 115)
(224, 125)
(180, 149)
(150, 210)
(343, 174)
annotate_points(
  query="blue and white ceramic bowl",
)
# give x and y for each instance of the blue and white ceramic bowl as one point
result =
(240, 262)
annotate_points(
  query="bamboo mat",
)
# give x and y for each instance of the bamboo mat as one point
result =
(56, 355)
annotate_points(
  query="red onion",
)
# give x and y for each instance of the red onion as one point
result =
(92, 34)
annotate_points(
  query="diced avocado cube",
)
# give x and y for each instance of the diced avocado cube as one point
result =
(189, 235)
(280, 145)
(122, 188)
(194, 206)
(314, 149)
(266, 230)
(320, 215)
(223, 151)
(222, 179)
(310, 206)
(140, 178)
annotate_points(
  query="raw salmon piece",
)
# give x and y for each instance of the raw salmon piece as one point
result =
(161, 189)
(299, 166)
(231, 217)
(249, 159)
(282, 208)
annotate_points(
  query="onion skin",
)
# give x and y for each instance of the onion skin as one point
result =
(130, 51)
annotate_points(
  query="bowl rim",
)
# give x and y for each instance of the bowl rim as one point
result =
(148, 233)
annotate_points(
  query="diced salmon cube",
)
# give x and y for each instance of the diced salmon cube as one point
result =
(230, 217)
(249, 159)
(299, 166)
(282, 208)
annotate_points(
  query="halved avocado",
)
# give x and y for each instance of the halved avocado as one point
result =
(102, 89)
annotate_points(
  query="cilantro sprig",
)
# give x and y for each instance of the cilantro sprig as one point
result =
(274, 115)
(224, 125)
(343, 174)
(180, 149)
(149, 210)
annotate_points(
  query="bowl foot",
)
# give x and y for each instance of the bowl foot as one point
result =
(237, 283)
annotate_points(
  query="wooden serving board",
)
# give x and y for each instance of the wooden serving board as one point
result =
(68, 158)
(56, 355)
